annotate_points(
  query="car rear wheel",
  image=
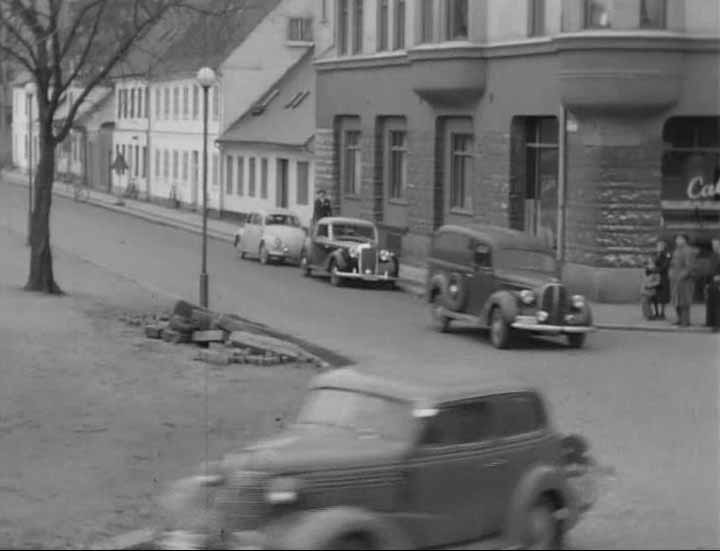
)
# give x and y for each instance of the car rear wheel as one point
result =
(305, 264)
(263, 254)
(543, 529)
(576, 340)
(499, 329)
(335, 279)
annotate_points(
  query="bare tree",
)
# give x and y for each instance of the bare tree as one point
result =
(64, 43)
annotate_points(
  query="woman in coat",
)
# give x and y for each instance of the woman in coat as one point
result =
(662, 292)
(682, 285)
(712, 292)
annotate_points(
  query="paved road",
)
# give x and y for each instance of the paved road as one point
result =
(648, 402)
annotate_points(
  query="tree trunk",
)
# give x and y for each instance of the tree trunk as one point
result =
(41, 266)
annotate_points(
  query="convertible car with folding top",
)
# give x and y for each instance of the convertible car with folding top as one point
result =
(504, 280)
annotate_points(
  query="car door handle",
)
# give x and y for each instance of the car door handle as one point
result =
(496, 463)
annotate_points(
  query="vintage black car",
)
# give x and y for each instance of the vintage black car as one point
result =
(504, 280)
(375, 462)
(347, 248)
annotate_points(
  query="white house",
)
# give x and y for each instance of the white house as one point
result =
(21, 105)
(267, 153)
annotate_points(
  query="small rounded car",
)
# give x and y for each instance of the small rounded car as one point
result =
(504, 280)
(345, 249)
(271, 236)
(388, 463)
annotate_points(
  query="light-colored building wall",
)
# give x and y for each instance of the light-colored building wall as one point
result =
(20, 128)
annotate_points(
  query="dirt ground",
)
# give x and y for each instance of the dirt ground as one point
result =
(95, 419)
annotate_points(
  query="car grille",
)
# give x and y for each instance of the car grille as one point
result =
(555, 302)
(368, 259)
(240, 502)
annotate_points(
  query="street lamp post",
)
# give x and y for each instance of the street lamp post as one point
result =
(206, 78)
(29, 93)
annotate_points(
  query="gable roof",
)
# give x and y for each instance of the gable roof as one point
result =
(285, 114)
(210, 38)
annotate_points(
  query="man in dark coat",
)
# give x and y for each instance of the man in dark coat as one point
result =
(712, 290)
(322, 207)
(682, 284)
(662, 264)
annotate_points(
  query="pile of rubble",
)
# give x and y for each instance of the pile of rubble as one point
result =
(224, 338)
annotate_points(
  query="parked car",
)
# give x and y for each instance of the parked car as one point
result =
(504, 280)
(379, 463)
(347, 248)
(274, 235)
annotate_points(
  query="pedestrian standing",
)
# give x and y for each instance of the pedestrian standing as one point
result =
(322, 207)
(712, 290)
(648, 290)
(682, 284)
(662, 292)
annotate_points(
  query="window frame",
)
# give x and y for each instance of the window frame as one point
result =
(396, 193)
(299, 29)
(353, 151)
(587, 15)
(453, 155)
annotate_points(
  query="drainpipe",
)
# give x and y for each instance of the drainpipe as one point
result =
(562, 185)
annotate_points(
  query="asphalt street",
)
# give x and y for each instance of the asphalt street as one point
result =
(648, 402)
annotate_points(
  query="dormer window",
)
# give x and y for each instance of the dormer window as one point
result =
(300, 29)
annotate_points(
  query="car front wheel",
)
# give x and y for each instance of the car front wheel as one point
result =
(439, 321)
(543, 529)
(499, 329)
(335, 279)
(305, 264)
(576, 340)
(264, 256)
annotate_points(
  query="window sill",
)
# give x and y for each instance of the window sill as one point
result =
(398, 201)
(461, 211)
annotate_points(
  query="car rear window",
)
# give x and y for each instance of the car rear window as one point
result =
(519, 413)
(281, 220)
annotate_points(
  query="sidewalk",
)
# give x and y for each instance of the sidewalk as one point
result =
(412, 278)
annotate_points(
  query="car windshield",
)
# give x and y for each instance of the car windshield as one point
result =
(354, 232)
(282, 220)
(519, 259)
(365, 413)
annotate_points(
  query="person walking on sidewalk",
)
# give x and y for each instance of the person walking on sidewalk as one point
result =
(682, 285)
(662, 294)
(649, 290)
(322, 207)
(712, 290)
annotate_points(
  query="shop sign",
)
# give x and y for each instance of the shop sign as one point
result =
(700, 190)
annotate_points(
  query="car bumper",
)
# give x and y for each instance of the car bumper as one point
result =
(530, 323)
(367, 277)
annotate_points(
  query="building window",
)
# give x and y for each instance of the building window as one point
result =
(145, 161)
(357, 26)
(166, 164)
(343, 26)
(119, 105)
(399, 24)
(351, 162)
(137, 161)
(125, 104)
(186, 103)
(185, 163)
(215, 170)
(653, 14)
(196, 102)
(139, 103)
(157, 163)
(536, 17)
(397, 163)
(300, 29)
(461, 164)
(251, 177)
(426, 21)
(166, 101)
(147, 102)
(158, 104)
(195, 167)
(176, 103)
(264, 178)
(597, 14)
(175, 164)
(383, 25)
(229, 166)
(240, 188)
(303, 183)
(132, 103)
(216, 103)
(456, 19)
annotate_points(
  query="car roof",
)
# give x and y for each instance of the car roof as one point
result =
(422, 393)
(345, 220)
(498, 236)
(265, 212)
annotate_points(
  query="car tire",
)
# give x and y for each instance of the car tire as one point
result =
(439, 322)
(305, 265)
(500, 331)
(335, 279)
(455, 293)
(543, 529)
(263, 254)
(576, 340)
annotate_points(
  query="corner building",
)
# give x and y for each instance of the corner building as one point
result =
(595, 124)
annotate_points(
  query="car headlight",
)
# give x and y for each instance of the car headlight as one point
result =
(277, 243)
(354, 251)
(385, 255)
(578, 301)
(542, 315)
(527, 296)
(282, 491)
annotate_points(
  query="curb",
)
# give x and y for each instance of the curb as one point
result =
(665, 329)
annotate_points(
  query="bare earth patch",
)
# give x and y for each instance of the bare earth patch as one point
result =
(95, 419)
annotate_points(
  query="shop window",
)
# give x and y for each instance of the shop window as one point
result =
(303, 183)
(536, 17)
(427, 22)
(399, 24)
(229, 165)
(383, 24)
(461, 170)
(240, 187)
(597, 14)
(456, 19)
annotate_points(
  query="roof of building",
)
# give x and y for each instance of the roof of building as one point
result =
(285, 114)
(419, 391)
(499, 236)
(209, 39)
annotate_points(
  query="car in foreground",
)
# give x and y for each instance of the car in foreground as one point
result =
(347, 249)
(504, 280)
(271, 236)
(380, 463)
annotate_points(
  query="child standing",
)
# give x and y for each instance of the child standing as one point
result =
(648, 290)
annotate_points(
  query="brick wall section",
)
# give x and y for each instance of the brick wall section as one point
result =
(368, 171)
(422, 180)
(613, 203)
(326, 166)
(492, 177)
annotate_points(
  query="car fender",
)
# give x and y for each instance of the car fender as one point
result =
(320, 528)
(539, 480)
(508, 306)
(438, 284)
(339, 256)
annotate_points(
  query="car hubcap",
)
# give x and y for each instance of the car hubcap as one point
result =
(541, 528)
